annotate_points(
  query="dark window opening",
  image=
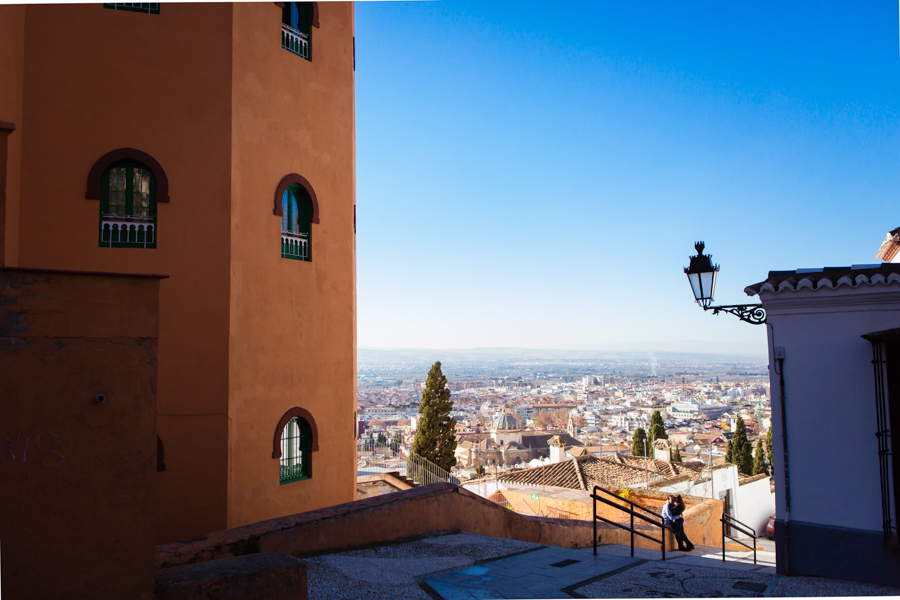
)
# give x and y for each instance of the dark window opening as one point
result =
(890, 432)
(296, 450)
(886, 359)
(296, 28)
(296, 224)
(128, 206)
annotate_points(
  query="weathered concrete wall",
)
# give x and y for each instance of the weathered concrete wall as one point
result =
(409, 514)
(77, 476)
(245, 334)
(703, 524)
(160, 84)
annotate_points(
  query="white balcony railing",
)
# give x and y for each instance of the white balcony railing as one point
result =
(295, 41)
(139, 232)
(295, 245)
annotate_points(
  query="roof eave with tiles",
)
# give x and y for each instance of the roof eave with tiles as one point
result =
(827, 278)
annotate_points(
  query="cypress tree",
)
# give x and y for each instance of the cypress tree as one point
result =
(742, 450)
(657, 429)
(676, 455)
(770, 456)
(436, 432)
(637, 442)
(729, 453)
(759, 460)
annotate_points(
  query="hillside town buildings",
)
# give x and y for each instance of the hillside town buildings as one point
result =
(505, 427)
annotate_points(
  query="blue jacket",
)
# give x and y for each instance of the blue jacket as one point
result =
(667, 515)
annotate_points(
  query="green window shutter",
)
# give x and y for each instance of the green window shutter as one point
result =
(305, 448)
(305, 10)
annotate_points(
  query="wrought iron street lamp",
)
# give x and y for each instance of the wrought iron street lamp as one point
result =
(702, 276)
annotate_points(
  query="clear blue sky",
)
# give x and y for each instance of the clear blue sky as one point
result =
(535, 174)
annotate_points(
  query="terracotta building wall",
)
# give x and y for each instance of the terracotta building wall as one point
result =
(12, 65)
(77, 477)
(160, 84)
(291, 115)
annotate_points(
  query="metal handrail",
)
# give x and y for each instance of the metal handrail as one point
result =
(654, 520)
(728, 520)
(423, 471)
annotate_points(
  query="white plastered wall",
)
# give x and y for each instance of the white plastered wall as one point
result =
(829, 401)
(756, 503)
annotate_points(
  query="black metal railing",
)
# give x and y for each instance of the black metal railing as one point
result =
(730, 522)
(650, 517)
(884, 439)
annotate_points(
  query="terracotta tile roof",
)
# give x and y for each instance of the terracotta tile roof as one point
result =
(889, 246)
(584, 472)
(539, 440)
(744, 479)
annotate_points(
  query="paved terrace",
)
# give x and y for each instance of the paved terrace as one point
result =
(387, 547)
(463, 566)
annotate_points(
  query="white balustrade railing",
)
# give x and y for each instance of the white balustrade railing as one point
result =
(425, 472)
(122, 229)
(295, 245)
(295, 41)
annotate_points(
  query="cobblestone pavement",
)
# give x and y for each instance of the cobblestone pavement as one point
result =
(674, 579)
(391, 571)
(798, 587)
(465, 566)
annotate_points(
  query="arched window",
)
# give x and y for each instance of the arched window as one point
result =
(296, 221)
(296, 27)
(296, 438)
(128, 206)
(296, 450)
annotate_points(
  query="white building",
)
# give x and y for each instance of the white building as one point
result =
(687, 411)
(751, 502)
(834, 416)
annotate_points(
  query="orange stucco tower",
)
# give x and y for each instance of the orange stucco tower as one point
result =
(215, 144)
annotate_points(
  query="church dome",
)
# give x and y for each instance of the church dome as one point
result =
(506, 421)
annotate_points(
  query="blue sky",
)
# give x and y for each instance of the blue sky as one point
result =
(535, 174)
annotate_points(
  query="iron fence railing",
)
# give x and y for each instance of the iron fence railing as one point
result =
(127, 229)
(295, 245)
(729, 522)
(295, 41)
(647, 515)
(425, 472)
(373, 458)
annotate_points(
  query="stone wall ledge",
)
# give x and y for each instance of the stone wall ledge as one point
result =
(410, 513)
(273, 575)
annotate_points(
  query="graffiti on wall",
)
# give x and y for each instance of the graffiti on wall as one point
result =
(44, 448)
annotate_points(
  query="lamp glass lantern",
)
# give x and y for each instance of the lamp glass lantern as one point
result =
(702, 275)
